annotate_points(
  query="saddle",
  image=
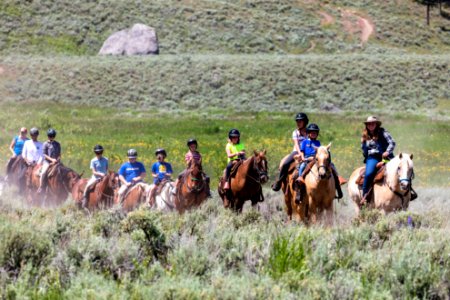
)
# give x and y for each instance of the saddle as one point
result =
(381, 167)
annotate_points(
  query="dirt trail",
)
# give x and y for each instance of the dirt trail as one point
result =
(327, 18)
(363, 26)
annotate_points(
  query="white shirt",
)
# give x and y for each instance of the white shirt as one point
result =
(32, 151)
(296, 136)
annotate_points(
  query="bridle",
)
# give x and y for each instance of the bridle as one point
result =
(261, 172)
(400, 180)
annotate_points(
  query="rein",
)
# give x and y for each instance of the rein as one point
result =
(408, 190)
(259, 171)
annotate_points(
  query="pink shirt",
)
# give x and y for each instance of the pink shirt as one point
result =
(192, 155)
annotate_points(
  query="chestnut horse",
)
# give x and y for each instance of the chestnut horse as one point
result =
(394, 192)
(133, 197)
(246, 183)
(60, 182)
(101, 195)
(192, 188)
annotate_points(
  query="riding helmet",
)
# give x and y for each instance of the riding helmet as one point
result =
(191, 141)
(34, 131)
(132, 153)
(312, 127)
(51, 132)
(234, 133)
(302, 116)
(161, 151)
(98, 149)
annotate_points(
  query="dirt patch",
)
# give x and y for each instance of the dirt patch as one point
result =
(327, 19)
(355, 24)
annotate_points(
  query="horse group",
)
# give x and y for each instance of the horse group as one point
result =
(390, 194)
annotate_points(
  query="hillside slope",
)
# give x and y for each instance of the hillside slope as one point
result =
(415, 83)
(223, 27)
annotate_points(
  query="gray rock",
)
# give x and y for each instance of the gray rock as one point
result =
(139, 40)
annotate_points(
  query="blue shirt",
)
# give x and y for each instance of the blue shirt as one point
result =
(130, 170)
(161, 169)
(18, 145)
(99, 165)
(307, 147)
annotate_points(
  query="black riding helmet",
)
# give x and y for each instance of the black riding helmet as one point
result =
(312, 127)
(132, 153)
(302, 117)
(51, 132)
(191, 141)
(34, 131)
(161, 151)
(98, 149)
(234, 133)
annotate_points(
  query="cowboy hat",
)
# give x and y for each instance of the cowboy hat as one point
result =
(373, 119)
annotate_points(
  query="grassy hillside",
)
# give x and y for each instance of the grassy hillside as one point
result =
(221, 27)
(332, 83)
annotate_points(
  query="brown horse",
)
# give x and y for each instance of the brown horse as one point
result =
(101, 195)
(61, 180)
(133, 197)
(192, 188)
(320, 189)
(246, 183)
(391, 194)
(16, 173)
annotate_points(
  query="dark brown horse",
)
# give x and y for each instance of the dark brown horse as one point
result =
(60, 182)
(101, 195)
(192, 188)
(246, 183)
(16, 173)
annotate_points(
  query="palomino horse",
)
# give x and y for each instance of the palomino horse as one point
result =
(320, 190)
(394, 192)
(192, 188)
(101, 195)
(133, 197)
(60, 182)
(16, 172)
(246, 183)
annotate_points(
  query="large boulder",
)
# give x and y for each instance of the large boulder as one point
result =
(139, 40)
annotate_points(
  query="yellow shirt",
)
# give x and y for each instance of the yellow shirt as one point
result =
(234, 149)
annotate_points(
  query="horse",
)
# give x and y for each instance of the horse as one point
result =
(60, 182)
(16, 172)
(393, 193)
(320, 190)
(100, 195)
(133, 197)
(165, 198)
(246, 183)
(192, 188)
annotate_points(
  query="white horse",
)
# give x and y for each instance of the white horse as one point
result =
(164, 201)
(394, 192)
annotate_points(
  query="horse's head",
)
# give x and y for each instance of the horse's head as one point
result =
(195, 167)
(405, 170)
(260, 164)
(323, 159)
(72, 177)
(113, 179)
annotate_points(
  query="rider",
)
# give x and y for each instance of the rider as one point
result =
(99, 167)
(52, 154)
(307, 154)
(16, 147)
(235, 151)
(377, 144)
(193, 153)
(130, 173)
(32, 149)
(161, 170)
(298, 136)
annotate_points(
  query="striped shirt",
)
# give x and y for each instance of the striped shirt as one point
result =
(298, 137)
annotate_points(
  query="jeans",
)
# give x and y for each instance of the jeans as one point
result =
(371, 171)
(301, 168)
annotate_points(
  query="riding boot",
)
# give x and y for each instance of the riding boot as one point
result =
(298, 195)
(84, 202)
(337, 185)
(300, 179)
(276, 186)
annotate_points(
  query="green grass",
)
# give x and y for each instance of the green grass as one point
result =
(80, 128)
(288, 26)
